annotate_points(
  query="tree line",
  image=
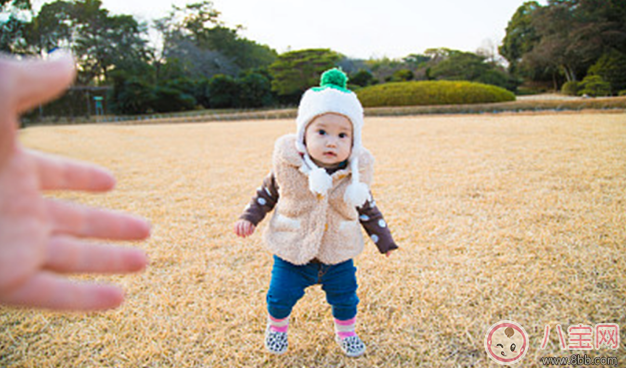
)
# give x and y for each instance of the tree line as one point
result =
(578, 43)
(203, 63)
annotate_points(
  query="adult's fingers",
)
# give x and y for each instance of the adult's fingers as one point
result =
(70, 255)
(38, 81)
(26, 83)
(50, 291)
(8, 118)
(85, 222)
(58, 173)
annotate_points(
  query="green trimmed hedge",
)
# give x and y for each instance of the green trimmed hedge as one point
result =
(432, 93)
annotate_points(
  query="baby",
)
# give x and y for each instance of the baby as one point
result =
(319, 186)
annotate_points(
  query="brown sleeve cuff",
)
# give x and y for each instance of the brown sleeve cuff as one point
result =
(376, 227)
(263, 202)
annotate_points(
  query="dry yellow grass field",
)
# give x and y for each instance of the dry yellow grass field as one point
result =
(519, 217)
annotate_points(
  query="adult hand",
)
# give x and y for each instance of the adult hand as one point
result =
(42, 239)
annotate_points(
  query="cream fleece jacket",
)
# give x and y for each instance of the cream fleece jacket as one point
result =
(306, 226)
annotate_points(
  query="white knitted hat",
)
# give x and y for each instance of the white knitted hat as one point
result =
(332, 96)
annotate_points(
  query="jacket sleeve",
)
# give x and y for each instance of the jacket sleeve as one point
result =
(263, 202)
(374, 224)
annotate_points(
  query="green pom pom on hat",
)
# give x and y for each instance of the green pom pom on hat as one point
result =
(333, 78)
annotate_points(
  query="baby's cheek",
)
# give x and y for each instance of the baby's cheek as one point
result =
(518, 346)
(516, 353)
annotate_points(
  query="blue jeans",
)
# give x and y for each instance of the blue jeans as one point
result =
(289, 281)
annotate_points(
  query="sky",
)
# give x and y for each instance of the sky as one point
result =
(361, 29)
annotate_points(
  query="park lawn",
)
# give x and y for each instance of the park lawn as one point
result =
(499, 217)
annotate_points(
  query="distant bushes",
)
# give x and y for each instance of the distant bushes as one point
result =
(168, 99)
(432, 93)
(131, 95)
(607, 77)
(611, 67)
(571, 88)
(592, 85)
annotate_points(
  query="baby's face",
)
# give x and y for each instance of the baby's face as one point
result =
(329, 139)
(507, 343)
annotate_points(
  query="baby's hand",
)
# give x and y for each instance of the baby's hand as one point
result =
(388, 254)
(244, 228)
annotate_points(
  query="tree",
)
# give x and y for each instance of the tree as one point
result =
(559, 46)
(195, 34)
(245, 54)
(294, 72)
(612, 68)
(172, 100)
(52, 27)
(184, 58)
(100, 42)
(350, 66)
(112, 50)
(362, 78)
(223, 92)
(402, 75)
(195, 17)
(459, 65)
(521, 35)
(438, 55)
(105, 42)
(255, 90)
(565, 36)
(130, 94)
(14, 18)
(383, 69)
(417, 60)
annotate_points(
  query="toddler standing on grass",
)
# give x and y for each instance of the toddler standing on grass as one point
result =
(319, 186)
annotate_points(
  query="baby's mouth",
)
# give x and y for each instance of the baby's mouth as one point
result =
(330, 154)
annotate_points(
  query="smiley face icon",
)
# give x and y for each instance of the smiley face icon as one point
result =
(506, 342)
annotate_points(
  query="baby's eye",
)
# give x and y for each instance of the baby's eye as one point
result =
(513, 347)
(321, 132)
(343, 135)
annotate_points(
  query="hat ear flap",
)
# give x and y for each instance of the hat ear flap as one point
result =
(357, 192)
